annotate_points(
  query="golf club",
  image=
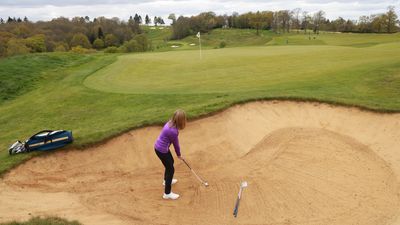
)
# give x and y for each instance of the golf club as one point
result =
(242, 186)
(197, 176)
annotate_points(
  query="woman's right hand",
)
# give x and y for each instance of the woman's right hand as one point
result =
(180, 157)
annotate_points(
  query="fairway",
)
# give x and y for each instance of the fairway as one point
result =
(250, 69)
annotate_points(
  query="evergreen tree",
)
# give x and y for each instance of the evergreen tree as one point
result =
(1, 21)
(137, 18)
(26, 19)
(147, 20)
(19, 20)
(10, 20)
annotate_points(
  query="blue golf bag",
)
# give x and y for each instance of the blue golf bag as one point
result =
(43, 141)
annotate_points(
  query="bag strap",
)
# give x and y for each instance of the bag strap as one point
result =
(43, 131)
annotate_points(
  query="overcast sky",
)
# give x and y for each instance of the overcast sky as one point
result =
(46, 9)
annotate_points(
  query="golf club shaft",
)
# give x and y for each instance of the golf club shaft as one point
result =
(197, 176)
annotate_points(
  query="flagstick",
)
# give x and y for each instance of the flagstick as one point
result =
(200, 46)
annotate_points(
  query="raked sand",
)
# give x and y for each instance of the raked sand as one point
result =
(305, 163)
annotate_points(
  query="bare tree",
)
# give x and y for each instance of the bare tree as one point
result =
(296, 18)
(318, 19)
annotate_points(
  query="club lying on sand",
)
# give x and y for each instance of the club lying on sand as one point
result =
(242, 186)
(197, 176)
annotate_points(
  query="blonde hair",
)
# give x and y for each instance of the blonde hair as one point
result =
(178, 120)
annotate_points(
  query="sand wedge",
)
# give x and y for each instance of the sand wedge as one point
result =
(195, 174)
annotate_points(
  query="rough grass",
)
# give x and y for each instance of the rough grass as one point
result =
(21, 74)
(44, 221)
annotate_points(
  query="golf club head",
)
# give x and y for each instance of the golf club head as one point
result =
(243, 184)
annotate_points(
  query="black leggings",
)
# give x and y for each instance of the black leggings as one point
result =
(168, 162)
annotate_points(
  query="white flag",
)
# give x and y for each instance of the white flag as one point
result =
(198, 35)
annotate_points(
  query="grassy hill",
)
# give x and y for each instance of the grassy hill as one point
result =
(101, 95)
(160, 37)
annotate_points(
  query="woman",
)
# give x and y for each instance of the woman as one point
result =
(168, 136)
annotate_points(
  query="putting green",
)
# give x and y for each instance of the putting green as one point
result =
(245, 69)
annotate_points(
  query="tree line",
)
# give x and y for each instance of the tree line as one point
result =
(80, 34)
(283, 21)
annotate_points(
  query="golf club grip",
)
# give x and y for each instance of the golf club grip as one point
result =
(236, 206)
(237, 209)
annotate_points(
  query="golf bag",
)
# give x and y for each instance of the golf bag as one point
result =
(42, 141)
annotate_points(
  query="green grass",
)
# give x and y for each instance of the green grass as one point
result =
(44, 221)
(102, 95)
(360, 76)
(247, 37)
(334, 39)
(21, 74)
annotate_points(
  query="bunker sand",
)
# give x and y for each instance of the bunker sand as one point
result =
(306, 164)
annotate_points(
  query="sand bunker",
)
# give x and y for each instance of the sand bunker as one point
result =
(306, 164)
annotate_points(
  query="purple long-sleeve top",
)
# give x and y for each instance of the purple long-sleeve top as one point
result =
(168, 136)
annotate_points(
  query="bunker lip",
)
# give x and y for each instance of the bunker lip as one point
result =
(307, 163)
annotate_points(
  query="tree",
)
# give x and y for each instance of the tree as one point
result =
(100, 33)
(16, 47)
(3, 46)
(22, 31)
(364, 24)
(36, 43)
(10, 20)
(142, 42)
(61, 47)
(1, 21)
(339, 25)
(111, 40)
(391, 19)
(147, 20)
(296, 18)
(80, 40)
(98, 44)
(378, 23)
(318, 19)
(172, 17)
(155, 21)
(256, 21)
(181, 28)
(26, 19)
(137, 19)
(130, 46)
